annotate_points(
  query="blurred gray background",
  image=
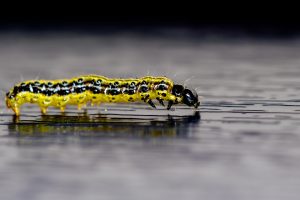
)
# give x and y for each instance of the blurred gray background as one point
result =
(245, 146)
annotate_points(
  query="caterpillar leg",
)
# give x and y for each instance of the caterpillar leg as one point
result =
(44, 110)
(80, 106)
(160, 101)
(150, 102)
(170, 104)
(62, 109)
(95, 104)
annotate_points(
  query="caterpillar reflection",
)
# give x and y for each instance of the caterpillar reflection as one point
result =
(96, 89)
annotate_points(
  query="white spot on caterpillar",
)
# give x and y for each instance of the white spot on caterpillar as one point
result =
(30, 88)
(57, 88)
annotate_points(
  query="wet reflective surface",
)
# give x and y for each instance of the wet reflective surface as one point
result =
(105, 125)
(242, 143)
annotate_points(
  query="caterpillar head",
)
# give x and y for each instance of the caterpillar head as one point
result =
(186, 95)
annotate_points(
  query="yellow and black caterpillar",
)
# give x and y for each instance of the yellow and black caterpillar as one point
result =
(96, 89)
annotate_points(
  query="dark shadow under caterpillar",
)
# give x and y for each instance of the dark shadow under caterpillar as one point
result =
(96, 89)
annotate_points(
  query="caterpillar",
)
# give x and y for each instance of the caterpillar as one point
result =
(96, 89)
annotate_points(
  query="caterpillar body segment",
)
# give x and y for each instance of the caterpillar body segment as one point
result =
(95, 90)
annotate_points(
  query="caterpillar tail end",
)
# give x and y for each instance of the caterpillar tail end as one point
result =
(7, 103)
(16, 111)
(13, 105)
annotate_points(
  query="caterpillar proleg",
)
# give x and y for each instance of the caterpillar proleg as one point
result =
(96, 89)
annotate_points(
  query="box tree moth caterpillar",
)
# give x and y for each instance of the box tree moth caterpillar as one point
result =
(96, 89)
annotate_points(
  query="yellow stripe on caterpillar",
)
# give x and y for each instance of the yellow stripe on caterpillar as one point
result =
(96, 89)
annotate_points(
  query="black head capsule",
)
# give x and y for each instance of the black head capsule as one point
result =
(189, 96)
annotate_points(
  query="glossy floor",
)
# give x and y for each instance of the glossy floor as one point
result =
(243, 143)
